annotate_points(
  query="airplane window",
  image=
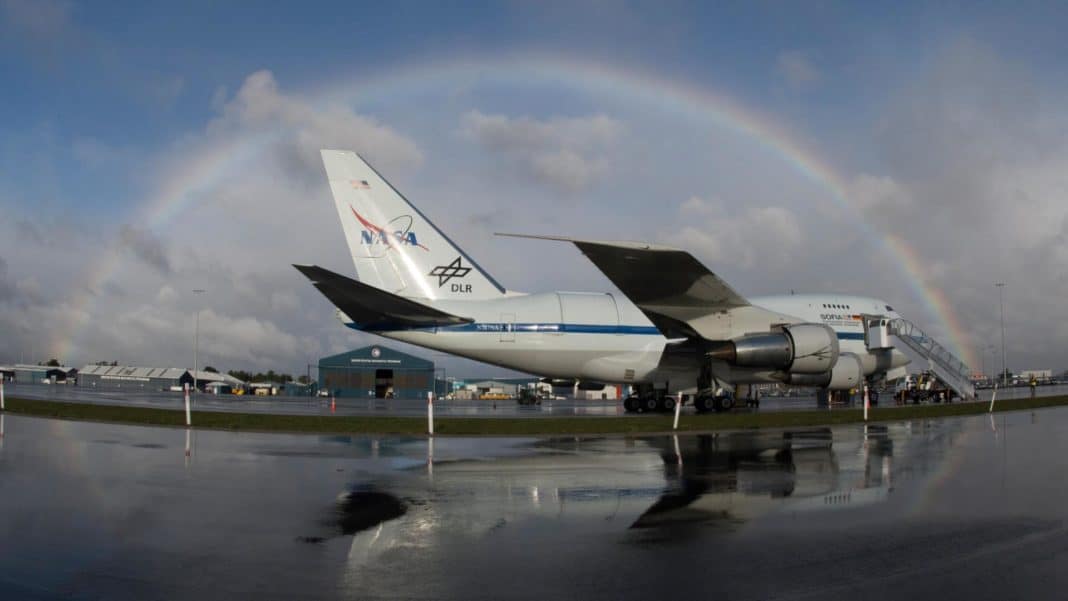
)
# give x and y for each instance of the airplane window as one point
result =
(889, 308)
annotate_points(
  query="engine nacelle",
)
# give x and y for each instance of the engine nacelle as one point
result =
(847, 373)
(807, 348)
(559, 382)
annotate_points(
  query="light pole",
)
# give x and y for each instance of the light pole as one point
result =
(1001, 301)
(196, 341)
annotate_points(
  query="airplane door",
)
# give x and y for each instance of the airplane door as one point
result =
(507, 327)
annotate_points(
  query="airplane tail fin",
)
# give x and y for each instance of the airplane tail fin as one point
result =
(395, 247)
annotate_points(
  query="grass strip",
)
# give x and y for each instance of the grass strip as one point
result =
(505, 426)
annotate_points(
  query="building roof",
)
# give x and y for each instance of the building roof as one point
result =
(129, 372)
(38, 368)
(376, 357)
(211, 376)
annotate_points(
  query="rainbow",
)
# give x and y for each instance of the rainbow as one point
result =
(181, 190)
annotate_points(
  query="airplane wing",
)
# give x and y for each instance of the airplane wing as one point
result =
(669, 285)
(372, 308)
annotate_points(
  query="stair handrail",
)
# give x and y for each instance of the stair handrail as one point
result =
(911, 334)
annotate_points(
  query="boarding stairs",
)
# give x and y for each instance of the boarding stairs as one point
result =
(945, 365)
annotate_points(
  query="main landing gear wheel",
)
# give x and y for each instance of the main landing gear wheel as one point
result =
(630, 404)
(668, 403)
(648, 405)
(702, 403)
(722, 403)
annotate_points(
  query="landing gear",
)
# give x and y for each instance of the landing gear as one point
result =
(722, 403)
(650, 400)
(712, 402)
(710, 396)
(667, 403)
(703, 403)
(649, 404)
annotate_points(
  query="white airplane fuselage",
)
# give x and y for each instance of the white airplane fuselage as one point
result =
(414, 284)
(603, 337)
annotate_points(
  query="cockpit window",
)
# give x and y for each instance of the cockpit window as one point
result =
(889, 308)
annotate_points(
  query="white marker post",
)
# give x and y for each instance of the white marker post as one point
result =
(188, 415)
(867, 402)
(430, 413)
(430, 458)
(993, 397)
(2, 394)
(678, 409)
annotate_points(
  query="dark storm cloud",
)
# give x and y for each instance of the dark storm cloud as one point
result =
(144, 245)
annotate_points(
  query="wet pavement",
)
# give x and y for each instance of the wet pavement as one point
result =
(407, 407)
(957, 508)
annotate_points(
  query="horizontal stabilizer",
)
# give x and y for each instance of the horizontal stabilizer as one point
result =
(371, 308)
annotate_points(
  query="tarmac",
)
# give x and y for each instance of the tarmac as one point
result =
(404, 407)
(930, 509)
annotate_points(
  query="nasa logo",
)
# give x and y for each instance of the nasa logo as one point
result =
(399, 233)
(376, 352)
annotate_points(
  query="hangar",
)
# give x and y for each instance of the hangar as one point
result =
(376, 372)
(38, 374)
(149, 378)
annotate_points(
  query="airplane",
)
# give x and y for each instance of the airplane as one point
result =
(677, 333)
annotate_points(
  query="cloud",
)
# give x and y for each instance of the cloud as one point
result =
(974, 181)
(259, 106)
(235, 235)
(755, 236)
(7, 287)
(797, 69)
(44, 30)
(27, 232)
(567, 154)
(144, 245)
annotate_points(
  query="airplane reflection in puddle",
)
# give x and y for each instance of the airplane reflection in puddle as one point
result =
(613, 485)
(742, 476)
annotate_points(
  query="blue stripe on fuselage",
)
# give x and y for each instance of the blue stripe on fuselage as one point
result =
(554, 328)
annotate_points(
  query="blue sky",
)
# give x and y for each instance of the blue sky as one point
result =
(943, 123)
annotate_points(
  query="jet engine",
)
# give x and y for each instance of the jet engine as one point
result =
(559, 382)
(807, 348)
(847, 373)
